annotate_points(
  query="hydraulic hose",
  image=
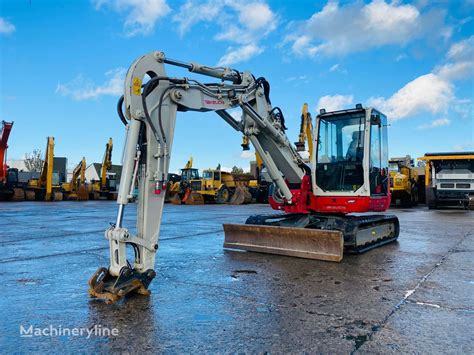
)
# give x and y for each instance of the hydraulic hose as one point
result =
(120, 111)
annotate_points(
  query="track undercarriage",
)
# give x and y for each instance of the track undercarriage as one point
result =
(314, 236)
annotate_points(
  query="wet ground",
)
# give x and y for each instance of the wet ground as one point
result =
(412, 296)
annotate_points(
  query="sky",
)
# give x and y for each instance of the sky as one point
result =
(63, 63)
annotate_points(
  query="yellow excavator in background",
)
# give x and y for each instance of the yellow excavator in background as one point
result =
(76, 189)
(306, 133)
(106, 187)
(47, 187)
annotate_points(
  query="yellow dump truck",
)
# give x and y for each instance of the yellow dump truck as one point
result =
(214, 185)
(403, 181)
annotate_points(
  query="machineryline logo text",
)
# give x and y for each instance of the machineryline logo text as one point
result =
(59, 331)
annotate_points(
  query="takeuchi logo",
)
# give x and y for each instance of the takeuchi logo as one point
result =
(214, 102)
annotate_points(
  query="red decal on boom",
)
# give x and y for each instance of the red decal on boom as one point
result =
(214, 102)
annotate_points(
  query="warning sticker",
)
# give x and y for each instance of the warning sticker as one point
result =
(137, 86)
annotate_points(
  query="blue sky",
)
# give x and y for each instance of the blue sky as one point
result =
(62, 65)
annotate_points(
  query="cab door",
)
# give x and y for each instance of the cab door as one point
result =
(378, 158)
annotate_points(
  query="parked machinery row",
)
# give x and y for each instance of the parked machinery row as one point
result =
(213, 186)
(46, 185)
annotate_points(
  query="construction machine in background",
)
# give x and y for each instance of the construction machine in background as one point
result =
(449, 179)
(47, 187)
(10, 189)
(178, 190)
(106, 187)
(404, 181)
(305, 134)
(77, 189)
(218, 186)
(258, 187)
(321, 207)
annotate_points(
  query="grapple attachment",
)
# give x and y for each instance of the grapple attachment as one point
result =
(306, 243)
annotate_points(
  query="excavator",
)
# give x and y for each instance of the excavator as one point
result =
(105, 188)
(76, 189)
(306, 133)
(320, 205)
(179, 192)
(8, 176)
(47, 187)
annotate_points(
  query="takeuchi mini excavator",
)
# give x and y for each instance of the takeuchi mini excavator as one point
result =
(319, 204)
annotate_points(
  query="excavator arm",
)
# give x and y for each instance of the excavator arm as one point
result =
(150, 109)
(306, 132)
(4, 134)
(106, 164)
(46, 178)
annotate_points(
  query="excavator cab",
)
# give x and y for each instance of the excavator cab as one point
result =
(352, 159)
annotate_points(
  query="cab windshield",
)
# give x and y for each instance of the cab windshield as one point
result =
(341, 152)
(207, 175)
(393, 167)
(341, 139)
(189, 174)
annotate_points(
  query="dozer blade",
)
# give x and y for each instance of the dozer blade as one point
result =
(306, 243)
(194, 198)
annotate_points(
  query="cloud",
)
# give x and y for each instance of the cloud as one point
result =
(334, 67)
(294, 78)
(463, 50)
(81, 88)
(440, 122)
(339, 30)
(244, 24)
(426, 93)
(142, 15)
(464, 147)
(247, 154)
(6, 27)
(401, 57)
(460, 61)
(433, 92)
(334, 102)
(239, 54)
(456, 71)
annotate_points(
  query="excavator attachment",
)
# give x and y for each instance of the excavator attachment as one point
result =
(104, 286)
(306, 243)
(175, 199)
(194, 198)
(18, 194)
(241, 196)
(82, 193)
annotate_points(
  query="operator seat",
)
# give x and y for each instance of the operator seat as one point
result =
(355, 152)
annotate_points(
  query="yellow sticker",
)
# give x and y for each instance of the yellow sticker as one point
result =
(137, 86)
